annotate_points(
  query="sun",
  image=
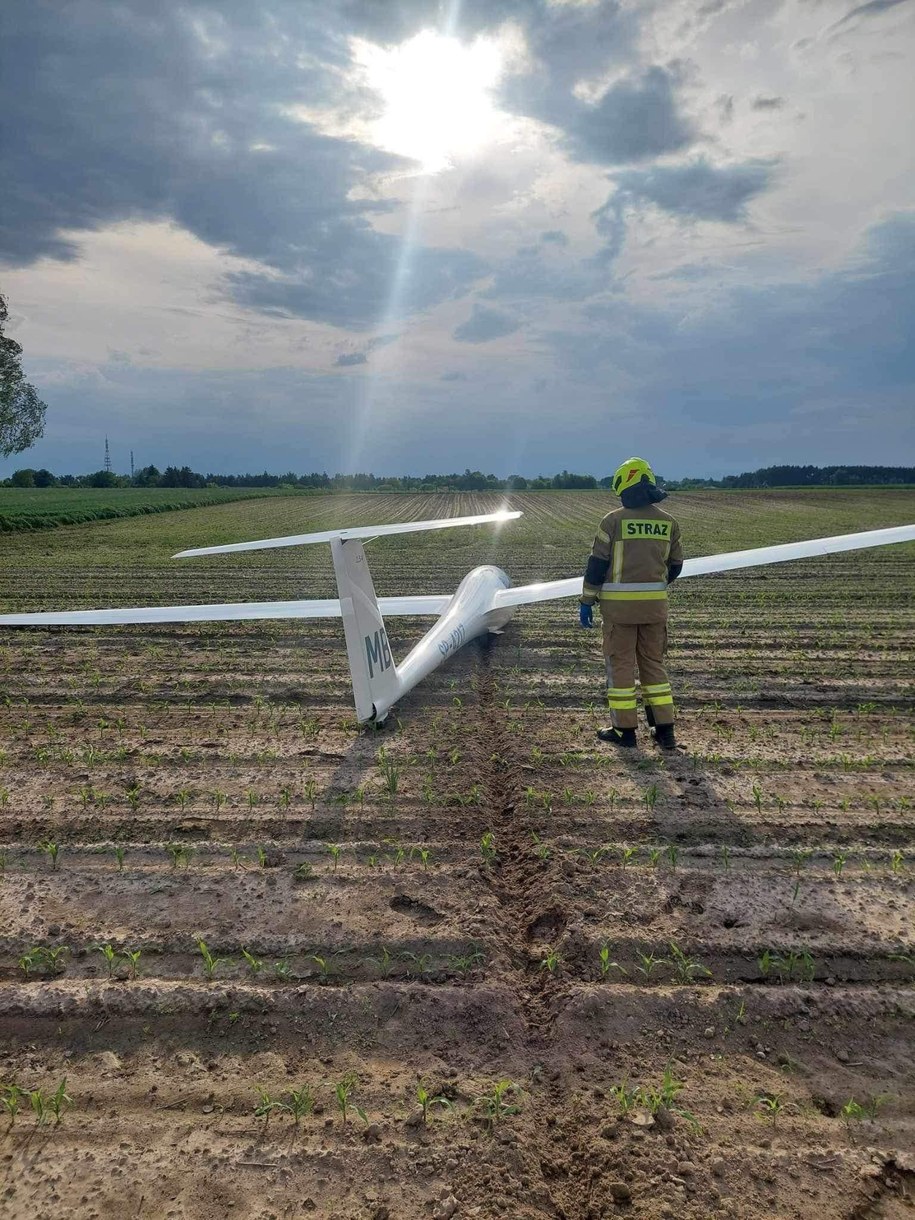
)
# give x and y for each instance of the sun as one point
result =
(437, 95)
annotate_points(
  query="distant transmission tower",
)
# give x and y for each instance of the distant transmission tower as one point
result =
(131, 463)
(107, 456)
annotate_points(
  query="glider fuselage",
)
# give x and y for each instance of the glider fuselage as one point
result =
(468, 615)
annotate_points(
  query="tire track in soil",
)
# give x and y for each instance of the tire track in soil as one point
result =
(525, 887)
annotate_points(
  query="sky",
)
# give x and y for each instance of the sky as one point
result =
(515, 235)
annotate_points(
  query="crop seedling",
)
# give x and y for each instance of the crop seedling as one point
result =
(11, 1096)
(119, 856)
(673, 855)
(255, 965)
(110, 956)
(687, 969)
(654, 856)
(335, 849)
(550, 961)
(39, 1106)
(210, 963)
(605, 963)
(757, 797)
(495, 1104)
(896, 862)
(427, 1101)
(772, 1106)
(301, 1103)
(488, 847)
(181, 855)
(838, 862)
(390, 772)
(51, 850)
(282, 969)
(132, 958)
(468, 961)
(262, 856)
(650, 797)
(343, 1091)
(265, 1106)
(650, 964)
(322, 966)
(625, 1097)
(725, 854)
(385, 963)
(60, 1101)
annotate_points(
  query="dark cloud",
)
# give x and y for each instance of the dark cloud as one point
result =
(483, 325)
(346, 359)
(698, 189)
(546, 271)
(635, 119)
(554, 237)
(183, 111)
(725, 106)
(767, 103)
(873, 9)
(784, 353)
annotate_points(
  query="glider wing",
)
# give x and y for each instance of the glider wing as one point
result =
(548, 590)
(359, 531)
(231, 612)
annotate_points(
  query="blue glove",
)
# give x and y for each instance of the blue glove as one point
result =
(586, 615)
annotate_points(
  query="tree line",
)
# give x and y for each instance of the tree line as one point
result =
(470, 480)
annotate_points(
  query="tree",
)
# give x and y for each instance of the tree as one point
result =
(23, 478)
(21, 410)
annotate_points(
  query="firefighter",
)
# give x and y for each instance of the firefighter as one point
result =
(636, 554)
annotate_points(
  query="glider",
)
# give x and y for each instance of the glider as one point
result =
(483, 602)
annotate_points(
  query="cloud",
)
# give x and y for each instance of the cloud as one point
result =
(634, 120)
(873, 9)
(483, 325)
(697, 189)
(767, 103)
(188, 112)
(453, 376)
(537, 271)
(346, 359)
(554, 237)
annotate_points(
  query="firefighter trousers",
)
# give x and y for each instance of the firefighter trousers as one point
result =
(642, 646)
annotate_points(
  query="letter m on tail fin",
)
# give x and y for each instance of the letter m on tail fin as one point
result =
(375, 681)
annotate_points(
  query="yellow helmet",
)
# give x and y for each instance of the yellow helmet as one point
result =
(632, 471)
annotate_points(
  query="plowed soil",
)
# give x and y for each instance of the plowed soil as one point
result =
(691, 975)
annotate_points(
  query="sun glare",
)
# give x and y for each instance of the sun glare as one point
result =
(437, 94)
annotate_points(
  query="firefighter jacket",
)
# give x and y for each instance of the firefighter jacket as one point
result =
(636, 554)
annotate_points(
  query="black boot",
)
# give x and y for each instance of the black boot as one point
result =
(664, 736)
(649, 715)
(618, 737)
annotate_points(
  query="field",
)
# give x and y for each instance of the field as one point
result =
(646, 986)
(42, 508)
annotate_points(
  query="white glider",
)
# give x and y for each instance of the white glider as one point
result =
(483, 602)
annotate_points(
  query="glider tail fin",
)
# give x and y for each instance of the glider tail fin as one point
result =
(376, 683)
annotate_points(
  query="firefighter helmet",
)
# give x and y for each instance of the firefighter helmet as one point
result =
(632, 472)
